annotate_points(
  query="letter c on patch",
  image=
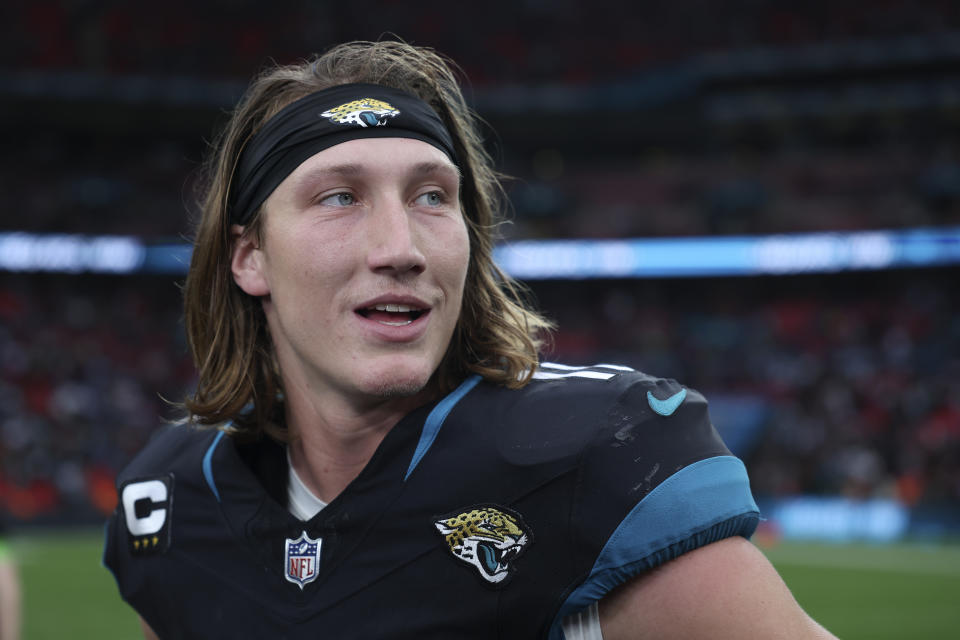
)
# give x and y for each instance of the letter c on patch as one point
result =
(145, 506)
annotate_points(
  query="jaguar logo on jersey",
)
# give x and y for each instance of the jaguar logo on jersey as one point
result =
(147, 504)
(302, 559)
(487, 537)
(366, 112)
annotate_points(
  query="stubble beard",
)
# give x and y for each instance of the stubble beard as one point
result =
(408, 385)
(397, 389)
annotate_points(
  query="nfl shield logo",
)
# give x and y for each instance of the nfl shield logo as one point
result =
(302, 558)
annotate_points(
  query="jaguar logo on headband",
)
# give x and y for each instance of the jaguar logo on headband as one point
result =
(366, 112)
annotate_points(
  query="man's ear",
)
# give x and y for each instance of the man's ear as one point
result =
(246, 263)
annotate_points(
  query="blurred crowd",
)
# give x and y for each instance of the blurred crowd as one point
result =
(831, 385)
(575, 42)
(119, 164)
(98, 186)
(748, 192)
(88, 369)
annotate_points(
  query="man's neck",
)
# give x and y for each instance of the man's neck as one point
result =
(332, 444)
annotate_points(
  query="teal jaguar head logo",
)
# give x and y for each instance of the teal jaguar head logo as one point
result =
(487, 538)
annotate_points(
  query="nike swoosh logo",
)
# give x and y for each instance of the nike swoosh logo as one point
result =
(668, 406)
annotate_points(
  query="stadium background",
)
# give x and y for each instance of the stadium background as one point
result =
(839, 386)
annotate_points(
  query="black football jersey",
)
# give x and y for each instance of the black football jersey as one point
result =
(492, 513)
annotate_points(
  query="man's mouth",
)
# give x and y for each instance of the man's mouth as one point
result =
(392, 315)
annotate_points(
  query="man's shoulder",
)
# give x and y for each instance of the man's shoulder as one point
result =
(176, 449)
(565, 411)
(582, 397)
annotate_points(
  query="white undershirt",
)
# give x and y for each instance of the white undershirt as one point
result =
(300, 500)
(302, 503)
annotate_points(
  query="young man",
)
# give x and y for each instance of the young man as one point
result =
(384, 457)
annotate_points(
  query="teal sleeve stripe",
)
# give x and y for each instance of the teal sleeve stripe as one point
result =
(704, 502)
(208, 465)
(431, 427)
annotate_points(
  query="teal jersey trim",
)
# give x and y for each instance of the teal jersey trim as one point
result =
(434, 421)
(704, 502)
(208, 465)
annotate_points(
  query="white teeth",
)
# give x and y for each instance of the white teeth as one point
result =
(394, 308)
(396, 324)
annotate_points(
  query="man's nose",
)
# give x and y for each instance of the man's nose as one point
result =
(394, 239)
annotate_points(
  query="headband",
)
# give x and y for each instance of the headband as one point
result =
(319, 121)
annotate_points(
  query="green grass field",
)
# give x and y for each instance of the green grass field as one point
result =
(876, 592)
(67, 593)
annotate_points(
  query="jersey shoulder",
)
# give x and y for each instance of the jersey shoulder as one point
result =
(597, 389)
(653, 477)
(177, 449)
(569, 411)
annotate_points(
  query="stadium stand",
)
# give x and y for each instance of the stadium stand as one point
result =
(819, 117)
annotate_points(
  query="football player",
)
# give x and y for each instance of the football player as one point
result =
(373, 449)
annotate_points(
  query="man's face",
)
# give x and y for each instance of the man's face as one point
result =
(361, 268)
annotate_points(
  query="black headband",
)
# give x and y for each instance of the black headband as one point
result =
(322, 120)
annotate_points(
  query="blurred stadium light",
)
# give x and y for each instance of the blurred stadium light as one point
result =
(554, 259)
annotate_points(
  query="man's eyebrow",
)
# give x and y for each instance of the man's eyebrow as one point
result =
(305, 181)
(345, 169)
(350, 169)
(423, 168)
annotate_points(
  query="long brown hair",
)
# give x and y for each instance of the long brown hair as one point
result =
(498, 336)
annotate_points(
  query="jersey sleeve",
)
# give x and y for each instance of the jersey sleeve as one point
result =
(139, 533)
(657, 481)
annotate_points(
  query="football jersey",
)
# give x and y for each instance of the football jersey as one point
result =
(492, 513)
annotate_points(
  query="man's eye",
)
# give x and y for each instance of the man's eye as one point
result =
(339, 200)
(432, 198)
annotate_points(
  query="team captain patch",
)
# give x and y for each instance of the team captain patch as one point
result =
(488, 538)
(147, 505)
(366, 112)
(302, 559)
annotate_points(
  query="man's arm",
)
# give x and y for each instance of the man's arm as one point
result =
(727, 589)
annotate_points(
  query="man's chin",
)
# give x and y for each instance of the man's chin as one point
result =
(398, 384)
(397, 388)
